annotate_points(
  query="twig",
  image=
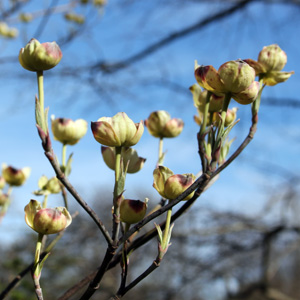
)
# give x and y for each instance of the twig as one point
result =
(64, 180)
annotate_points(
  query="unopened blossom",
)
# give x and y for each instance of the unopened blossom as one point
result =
(13, 176)
(46, 220)
(132, 211)
(67, 131)
(160, 124)
(39, 57)
(117, 131)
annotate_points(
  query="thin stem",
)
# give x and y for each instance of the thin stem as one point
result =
(64, 180)
(38, 250)
(117, 193)
(160, 152)
(45, 201)
(63, 156)
(205, 113)
(40, 80)
(37, 268)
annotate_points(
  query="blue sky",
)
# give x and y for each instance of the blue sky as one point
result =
(118, 32)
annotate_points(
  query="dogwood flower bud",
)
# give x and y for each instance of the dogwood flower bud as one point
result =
(177, 184)
(130, 155)
(118, 131)
(46, 220)
(160, 124)
(249, 95)
(236, 75)
(2, 182)
(39, 57)
(170, 186)
(132, 211)
(13, 176)
(67, 131)
(272, 58)
(3, 198)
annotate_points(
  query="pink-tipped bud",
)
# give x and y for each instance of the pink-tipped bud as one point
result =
(13, 176)
(132, 211)
(39, 57)
(46, 220)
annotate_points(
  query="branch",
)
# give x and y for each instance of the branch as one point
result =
(114, 67)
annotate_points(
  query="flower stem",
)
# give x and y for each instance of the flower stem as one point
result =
(45, 201)
(63, 156)
(117, 193)
(205, 113)
(160, 152)
(223, 116)
(167, 229)
(40, 79)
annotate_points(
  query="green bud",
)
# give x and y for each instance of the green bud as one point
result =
(118, 131)
(39, 57)
(177, 184)
(236, 75)
(2, 182)
(25, 17)
(248, 95)
(132, 211)
(3, 198)
(129, 155)
(46, 220)
(272, 58)
(160, 124)
(79, 19)
(160, 176)
(13, 176)
(67, 131)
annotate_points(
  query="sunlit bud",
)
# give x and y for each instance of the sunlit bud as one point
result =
(25, 17)
(224, 150)
(236, 75)
(42, 182)
(100, 2)
(160, 176)
(67, 131)
(177, 184)
(230, 116)
(39, 57)
(249, 95)
(8, 32)
(118, 131)
(130, 155)
(272, 58)
(160, 124)
(3, 198)
(53, 185)
(79, 19)
(209, 78)
(46, 220)
(84, 1)
(216, 102)
(13, 176)
(132, 211)
(2, 182)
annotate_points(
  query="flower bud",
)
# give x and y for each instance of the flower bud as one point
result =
(170, 186)
(249, 95)
(3, 198)
(39, 57)
(132, 211)
(160, 176)
(229, 118)
(67, 131)
(53, 185)
(130, 155)
(13, 176)
(8, 32)
(2, 182)
(160, 124)
(79, 19)
(25, 17)
(272, 58)
(209, 78)
(177, 184)
(274, 77)
(118, 131)
(236, 75)
(46, 220)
